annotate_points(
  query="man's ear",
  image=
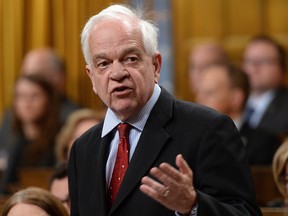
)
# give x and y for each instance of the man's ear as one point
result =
(157, 62)
(91, 76)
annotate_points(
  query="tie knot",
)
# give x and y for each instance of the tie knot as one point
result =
(123, 130)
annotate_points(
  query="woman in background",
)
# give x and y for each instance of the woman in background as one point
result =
(280, 173)
(34, 129)
(77, 123)
(33, 201)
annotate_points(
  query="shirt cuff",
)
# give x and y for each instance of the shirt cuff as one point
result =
(193, 212)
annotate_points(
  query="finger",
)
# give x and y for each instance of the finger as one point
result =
(152, 188)
(155, 185)
(170, 171)
(162, 176)
(183, 166)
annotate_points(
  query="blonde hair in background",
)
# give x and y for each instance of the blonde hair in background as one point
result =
(68, 130)
(38, 197)
(278, 167)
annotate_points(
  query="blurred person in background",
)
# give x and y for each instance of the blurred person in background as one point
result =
(264, 61)
(33, 201)
(280, 174)
(201, 56)
(225, 88)
(58, 185)
(77, 123)
(44, 62)
(36, 122)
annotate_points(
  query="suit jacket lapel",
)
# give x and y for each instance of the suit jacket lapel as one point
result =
(99, 177)
(152, 140)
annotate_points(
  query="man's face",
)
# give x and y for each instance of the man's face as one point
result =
(261, 63)
(199, 59)
(122, 74)
(215, 90)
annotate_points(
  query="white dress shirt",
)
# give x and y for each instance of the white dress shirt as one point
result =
(137, 122)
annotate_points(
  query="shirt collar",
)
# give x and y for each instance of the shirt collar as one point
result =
(138, 121)
(261, 102)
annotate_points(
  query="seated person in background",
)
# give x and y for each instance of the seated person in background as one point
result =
(44, 62)
(59, 185)
(201, 56)
(225, 88)
(77, 123)
(280, 174)
(264, 61)
(33, 201)
(35, 126)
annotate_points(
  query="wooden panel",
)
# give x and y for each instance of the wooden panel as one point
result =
(229, 22)
(242, 18)
(274, 211)
(276, 20)
(205, 18)
(277, 16)
(37, 177)
(193, 20)
(265, 187)
(3, 200)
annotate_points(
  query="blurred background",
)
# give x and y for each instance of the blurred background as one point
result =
(29, 24)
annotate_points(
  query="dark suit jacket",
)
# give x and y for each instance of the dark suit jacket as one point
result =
(208, 141)
(260, 144)
(275, 118)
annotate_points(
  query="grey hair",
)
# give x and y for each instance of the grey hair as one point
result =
(149, 31)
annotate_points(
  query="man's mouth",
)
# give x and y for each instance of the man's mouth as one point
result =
(120, 89)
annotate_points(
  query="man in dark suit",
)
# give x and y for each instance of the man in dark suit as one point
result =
(265, 64)
(184, 159)
(225, 88)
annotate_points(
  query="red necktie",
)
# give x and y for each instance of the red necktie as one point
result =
(121, 162)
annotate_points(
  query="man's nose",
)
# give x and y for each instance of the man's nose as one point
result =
(118, 71)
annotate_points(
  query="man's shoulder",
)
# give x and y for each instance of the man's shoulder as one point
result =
(195, 110)
(188, 108)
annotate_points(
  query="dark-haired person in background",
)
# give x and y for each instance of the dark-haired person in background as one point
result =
(264, 61)
(36, 122)
(225, 88)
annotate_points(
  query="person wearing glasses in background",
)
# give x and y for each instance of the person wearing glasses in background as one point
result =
(264, 61)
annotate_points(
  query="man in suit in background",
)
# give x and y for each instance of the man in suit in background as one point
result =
(264, 61)
(182, 158)
(225, 88)
(202, 55)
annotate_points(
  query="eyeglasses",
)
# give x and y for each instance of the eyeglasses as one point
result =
(261, 61)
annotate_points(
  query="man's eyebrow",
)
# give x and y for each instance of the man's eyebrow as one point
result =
(131, 50)
(99, 55)
(123, 53)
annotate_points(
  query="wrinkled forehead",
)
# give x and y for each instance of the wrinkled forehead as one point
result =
(113, 33)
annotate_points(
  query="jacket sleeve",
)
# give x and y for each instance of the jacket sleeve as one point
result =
(222, 177)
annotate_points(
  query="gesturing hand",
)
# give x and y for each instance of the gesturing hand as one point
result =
(176, 191)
